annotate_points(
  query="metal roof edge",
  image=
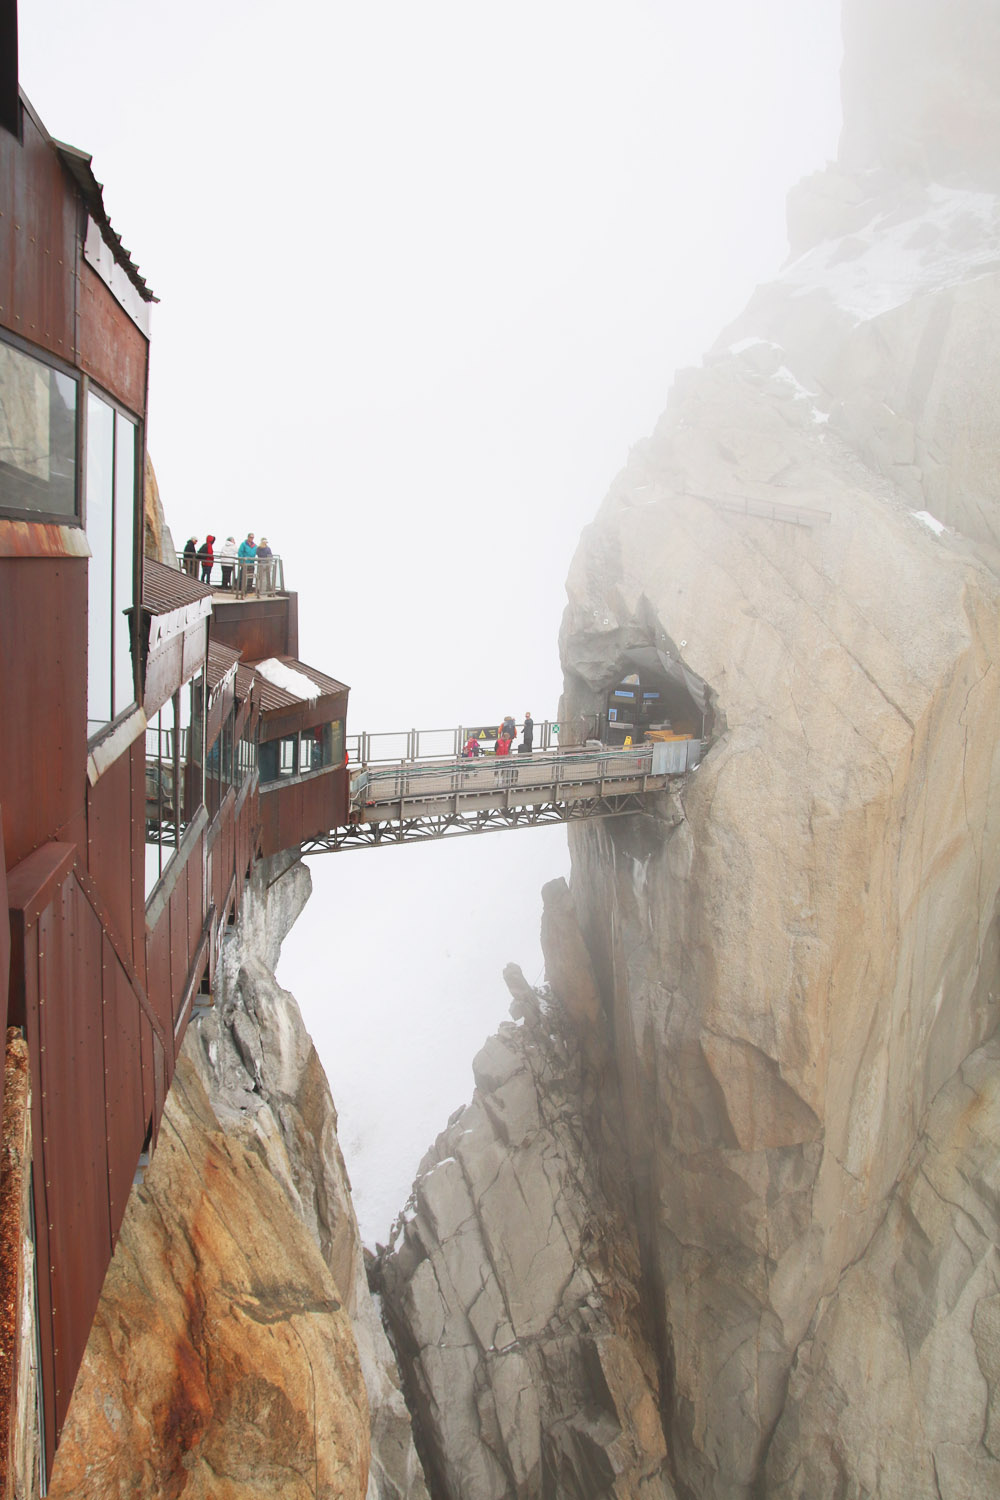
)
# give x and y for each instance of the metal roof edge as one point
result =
(80, 167)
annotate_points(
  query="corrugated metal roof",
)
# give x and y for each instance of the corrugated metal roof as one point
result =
(165, 589)
(271, 697)
(221, 662)
(246, 677)
(79, 165)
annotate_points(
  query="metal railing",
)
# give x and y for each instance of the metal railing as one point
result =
(551, 773)
(264, 577)
(403, 746)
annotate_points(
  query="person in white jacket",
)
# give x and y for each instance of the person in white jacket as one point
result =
(226, 555)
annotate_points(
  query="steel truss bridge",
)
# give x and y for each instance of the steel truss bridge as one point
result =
(413, 801)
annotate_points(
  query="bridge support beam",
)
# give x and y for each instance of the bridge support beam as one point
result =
(411, 830)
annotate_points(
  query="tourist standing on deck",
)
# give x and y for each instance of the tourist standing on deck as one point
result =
(190, 556)
(529, 731)
(246, 555)
(265, 568)
(207, 557)
(227, 561)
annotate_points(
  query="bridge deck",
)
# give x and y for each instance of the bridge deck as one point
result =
(409, 801)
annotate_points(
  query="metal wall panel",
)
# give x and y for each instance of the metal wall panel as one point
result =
(43, 663)
(125, 1119)
(112, 349)
(72, 1128)
(39, 243)
(147, 1062)
(256, 628)
(179, 948)
(137, 770)
(109, 860)
(163, 674)
(158, 981)
(197, 904)
(302, 810)
(277, 722)
(4, 949)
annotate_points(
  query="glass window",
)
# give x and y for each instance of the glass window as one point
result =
(268, 759)
(287, 755)
(328, 744)
(162, 784)
(100, 524)
(191, 724)
(174, 782)
(310, 750)
(112, 483)
(228, 730)
(213, 776)
(247, 755)
(123, 615)
(37, 436)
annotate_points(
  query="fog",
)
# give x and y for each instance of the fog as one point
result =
(426, 273)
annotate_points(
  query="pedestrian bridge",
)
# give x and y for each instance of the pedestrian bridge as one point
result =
(438, 797)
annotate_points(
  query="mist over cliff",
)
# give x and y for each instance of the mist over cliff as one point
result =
(721, 1219)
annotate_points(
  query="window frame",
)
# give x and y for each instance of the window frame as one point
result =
(120, 411)
(82, 382)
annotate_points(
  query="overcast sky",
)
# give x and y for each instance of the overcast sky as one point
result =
(427, 270)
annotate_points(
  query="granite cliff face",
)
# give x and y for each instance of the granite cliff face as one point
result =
(237, 1350)
(783, 1101)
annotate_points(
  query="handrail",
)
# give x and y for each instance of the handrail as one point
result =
(268, 573)
(546, 771)
(408, 745)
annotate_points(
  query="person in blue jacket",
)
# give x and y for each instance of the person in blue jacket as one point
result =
(245, 555)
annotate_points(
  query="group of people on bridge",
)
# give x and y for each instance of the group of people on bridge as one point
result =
(506, 736)
(251, 561)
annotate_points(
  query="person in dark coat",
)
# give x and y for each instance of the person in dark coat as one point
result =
(207, 557)
(190, 555)
(529, 731)
(509, 729)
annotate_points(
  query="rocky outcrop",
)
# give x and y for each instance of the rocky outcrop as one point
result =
(896, 1388)
(792, 956)
(156, 539)
(236, 1349)
(512, 1289)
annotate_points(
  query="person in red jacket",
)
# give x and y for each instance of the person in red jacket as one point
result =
(207, 556)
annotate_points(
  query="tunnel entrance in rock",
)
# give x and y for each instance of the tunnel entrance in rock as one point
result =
(654, 697)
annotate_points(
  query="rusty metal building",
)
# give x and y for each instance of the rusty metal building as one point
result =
(144, 763)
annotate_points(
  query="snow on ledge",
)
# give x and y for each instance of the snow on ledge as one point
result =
(931, 521)
(286, 678)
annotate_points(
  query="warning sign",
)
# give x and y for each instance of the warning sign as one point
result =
(483, 732)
